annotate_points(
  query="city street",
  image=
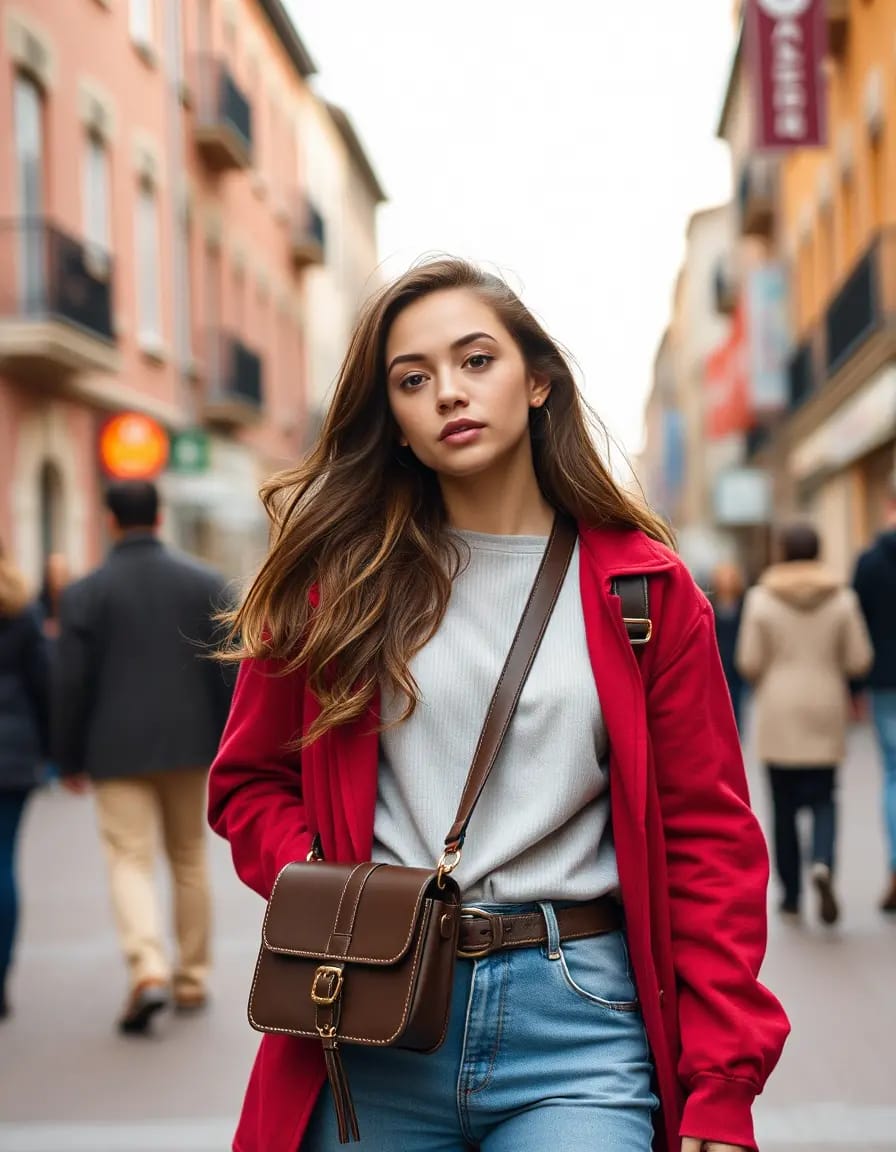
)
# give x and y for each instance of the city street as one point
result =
(68, 1081)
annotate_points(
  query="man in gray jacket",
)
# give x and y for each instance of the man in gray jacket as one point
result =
(138, 710)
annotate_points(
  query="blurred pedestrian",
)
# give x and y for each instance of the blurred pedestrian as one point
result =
(801, 639)
(138, 709)
(24, 731)
(875, 585)
(405, 547)
(57, 575)
(726, 594)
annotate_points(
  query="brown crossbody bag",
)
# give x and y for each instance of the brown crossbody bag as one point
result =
(365, 953)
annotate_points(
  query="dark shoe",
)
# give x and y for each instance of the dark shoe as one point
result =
(148, 998)
(789, 909)
(888, 904)
(828, 909)
(4, 1006)
(190, 1003)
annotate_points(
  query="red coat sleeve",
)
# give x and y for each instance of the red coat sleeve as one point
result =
(732, 1028)
(255, 786)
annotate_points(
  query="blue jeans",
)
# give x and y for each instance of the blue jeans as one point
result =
(883, 707)
(545, 1049)
(12, 804)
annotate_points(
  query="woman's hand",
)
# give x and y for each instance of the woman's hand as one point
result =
(689, 1144)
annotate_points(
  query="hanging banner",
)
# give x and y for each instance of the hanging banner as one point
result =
(786, 43)
(768, 332)
(726, 385)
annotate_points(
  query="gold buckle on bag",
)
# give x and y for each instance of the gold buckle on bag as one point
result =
(327, 998)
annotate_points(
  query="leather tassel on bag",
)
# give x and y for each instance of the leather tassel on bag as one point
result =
(346, 1119)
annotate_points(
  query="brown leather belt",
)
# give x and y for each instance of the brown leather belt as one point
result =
(482, 933)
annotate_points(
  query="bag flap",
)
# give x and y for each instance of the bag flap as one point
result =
(308, 898)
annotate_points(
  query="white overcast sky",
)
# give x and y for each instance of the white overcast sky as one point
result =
(565, 142)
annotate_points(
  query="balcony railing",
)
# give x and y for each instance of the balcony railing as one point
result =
(56, 300)
(223, 116)
(756, 191)
(864, 305)
(854, 312)
(235, 381)
(309, 235)
(802, 376)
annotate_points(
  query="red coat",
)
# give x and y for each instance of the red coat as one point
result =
(693, 865)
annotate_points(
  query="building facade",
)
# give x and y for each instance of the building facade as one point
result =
(838, 232)
(160, 234)
(680, 462)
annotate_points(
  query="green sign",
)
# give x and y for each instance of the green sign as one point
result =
(189, 452)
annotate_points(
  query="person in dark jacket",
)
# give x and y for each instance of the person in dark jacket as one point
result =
(727, 598)
(138, 709)
(875, 586)
(24, 725)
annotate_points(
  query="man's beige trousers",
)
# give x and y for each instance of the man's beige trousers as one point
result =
(131, 812)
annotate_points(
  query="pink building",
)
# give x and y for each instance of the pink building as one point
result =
(156, 243)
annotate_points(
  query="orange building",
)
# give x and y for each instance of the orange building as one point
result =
(838, 233)
(157, 239)
(826, 216)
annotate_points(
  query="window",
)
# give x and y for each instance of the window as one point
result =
(29, 145)
(148, 251)
(97, 232)
(142, 21)
(29, 149)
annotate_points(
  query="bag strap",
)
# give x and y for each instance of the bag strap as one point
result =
(526, 642)
(634, 595)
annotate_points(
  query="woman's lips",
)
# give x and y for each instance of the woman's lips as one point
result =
(462, 436)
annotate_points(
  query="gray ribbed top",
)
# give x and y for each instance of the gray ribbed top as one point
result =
(541, 830)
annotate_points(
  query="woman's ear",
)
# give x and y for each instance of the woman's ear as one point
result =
(539, 389)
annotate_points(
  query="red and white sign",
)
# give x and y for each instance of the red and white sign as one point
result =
(786, 43)
(726, 385)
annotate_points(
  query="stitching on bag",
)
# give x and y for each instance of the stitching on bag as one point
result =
(357, 902)
(356, 1039)
(267, 911)
(334, 956)
(345, 889)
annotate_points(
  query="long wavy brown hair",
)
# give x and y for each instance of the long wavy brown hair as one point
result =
(13, 589)
(362, 521)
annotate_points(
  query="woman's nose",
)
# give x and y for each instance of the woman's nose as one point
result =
(449, 391)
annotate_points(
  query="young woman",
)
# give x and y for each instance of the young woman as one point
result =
(403, 551)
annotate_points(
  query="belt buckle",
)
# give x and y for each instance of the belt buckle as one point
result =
(496, 941)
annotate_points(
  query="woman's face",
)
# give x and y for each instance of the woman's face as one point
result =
(458, 387)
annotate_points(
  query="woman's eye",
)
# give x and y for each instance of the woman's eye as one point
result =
(413, 381)
(479, 360)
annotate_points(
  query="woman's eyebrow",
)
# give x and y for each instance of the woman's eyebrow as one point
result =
(414, 357)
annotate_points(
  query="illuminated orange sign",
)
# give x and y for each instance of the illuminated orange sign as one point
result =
(133, 447)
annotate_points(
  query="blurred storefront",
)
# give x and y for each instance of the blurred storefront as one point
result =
(161, 227)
